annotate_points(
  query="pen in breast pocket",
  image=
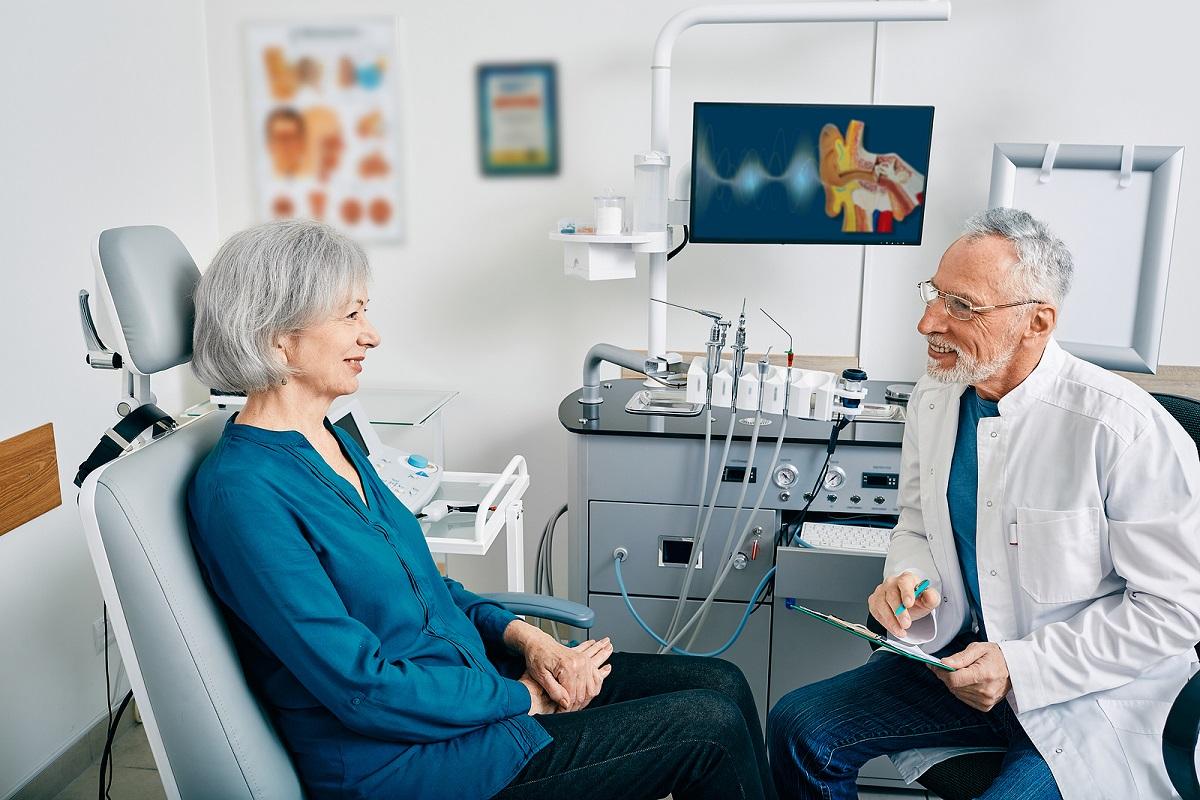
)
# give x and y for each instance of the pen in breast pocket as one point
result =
(922, 586)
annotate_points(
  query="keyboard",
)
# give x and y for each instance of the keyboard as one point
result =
(847, 538)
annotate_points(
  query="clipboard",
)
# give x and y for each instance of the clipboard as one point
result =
(862, 632)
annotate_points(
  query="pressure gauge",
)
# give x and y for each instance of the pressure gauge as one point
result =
(835, 478)
(786, 476)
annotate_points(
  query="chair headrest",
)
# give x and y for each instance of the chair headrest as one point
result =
(145, 280)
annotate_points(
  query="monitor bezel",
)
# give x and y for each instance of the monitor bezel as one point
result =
(693, 238)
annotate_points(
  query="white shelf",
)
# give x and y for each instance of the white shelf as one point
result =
(594, 238)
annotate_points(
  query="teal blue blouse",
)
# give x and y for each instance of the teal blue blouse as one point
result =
(374, 667)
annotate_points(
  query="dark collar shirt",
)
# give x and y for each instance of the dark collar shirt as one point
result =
(374, 667)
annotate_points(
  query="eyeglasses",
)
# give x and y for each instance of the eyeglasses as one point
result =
(956, 306)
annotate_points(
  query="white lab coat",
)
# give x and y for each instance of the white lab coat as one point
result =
(1088, 549)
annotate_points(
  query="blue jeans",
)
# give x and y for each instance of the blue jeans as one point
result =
(819, 736)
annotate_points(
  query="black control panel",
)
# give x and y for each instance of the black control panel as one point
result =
(880, 480)
(738, 474)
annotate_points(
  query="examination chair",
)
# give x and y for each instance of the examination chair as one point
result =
(209, 735)
(968, 776)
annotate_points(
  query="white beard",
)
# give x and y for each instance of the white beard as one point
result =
(967, 369)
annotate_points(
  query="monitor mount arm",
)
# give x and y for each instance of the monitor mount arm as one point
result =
(660, 96)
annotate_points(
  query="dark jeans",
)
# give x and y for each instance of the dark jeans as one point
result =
(660, 725)
(821, 734)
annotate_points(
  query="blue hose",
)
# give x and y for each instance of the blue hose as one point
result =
(762, 585)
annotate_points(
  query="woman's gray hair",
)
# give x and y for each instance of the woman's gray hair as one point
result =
(1044, 265)
(264, 282)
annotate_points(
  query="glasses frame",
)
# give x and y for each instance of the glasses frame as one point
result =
(971, 309)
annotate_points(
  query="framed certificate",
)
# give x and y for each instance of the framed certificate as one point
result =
(518, 119)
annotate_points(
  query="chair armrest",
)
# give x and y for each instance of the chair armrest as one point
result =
(1179, 740)
(551, 608)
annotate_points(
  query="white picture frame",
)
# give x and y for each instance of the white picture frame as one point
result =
(1115, 207)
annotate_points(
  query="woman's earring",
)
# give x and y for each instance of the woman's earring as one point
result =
(284, 381)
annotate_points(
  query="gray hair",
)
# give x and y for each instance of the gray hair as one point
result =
(1044, 265)
(264, 282)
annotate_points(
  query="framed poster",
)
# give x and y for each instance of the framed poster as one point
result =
(325, 123)
(1114, 206)
(518, 119)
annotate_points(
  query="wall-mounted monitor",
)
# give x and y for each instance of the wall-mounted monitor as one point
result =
(766, 173)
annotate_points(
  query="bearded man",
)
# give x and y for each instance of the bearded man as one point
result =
(1054, 509)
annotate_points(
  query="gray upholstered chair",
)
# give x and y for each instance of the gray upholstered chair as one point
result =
(209, 735)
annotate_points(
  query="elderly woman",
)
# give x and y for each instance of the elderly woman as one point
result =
(385, 679)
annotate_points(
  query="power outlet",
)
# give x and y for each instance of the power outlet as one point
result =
(98, 634)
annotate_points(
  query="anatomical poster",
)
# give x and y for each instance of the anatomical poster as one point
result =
(325, 124)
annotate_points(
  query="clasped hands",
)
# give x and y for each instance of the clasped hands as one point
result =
(559, 678)
(980, 678)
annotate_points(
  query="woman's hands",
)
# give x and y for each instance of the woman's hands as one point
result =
(570, 677)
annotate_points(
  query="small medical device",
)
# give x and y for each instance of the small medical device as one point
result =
(411, 476)
(846, 538)
(809, 174)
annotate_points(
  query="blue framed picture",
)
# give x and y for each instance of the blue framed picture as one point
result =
(518, 119)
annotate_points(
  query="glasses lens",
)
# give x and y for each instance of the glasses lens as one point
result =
(958, 307)
(928, 293)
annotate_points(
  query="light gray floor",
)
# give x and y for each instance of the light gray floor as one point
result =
(135, 778)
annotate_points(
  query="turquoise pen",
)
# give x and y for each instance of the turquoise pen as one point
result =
(922, 586)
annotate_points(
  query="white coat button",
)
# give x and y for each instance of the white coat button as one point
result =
(931, 470)
(1058, 750)
(989, 503)
(931, 405)
(994, 434)
(993, 573)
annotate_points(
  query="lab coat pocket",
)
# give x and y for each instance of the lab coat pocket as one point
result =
(1058, 553)
(1139, 725)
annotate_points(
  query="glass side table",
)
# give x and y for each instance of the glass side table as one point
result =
(409, 407)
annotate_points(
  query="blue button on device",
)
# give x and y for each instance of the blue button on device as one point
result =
(418, 462)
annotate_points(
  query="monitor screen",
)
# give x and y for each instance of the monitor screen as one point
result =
(809, 174)
(348, 424)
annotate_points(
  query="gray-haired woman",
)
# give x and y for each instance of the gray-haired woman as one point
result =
(385, 679)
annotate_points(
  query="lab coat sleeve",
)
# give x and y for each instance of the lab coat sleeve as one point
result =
(1153, 510)
(489, 617)
(909, 549)
(264, 569)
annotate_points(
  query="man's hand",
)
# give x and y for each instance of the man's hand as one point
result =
(571, 676)
(980, 678)
(901, 590)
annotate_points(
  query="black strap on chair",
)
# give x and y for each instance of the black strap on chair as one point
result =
(116, 440)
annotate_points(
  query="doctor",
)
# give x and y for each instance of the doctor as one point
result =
(1055, 509)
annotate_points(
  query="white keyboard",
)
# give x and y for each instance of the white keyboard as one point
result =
(846, 538)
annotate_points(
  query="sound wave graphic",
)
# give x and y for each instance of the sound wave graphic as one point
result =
(795, 168)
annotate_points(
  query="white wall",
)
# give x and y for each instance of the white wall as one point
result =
(112, 117)
(105, 123)
(1032, 71)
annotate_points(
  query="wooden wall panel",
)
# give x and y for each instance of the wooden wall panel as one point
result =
(28, 477)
